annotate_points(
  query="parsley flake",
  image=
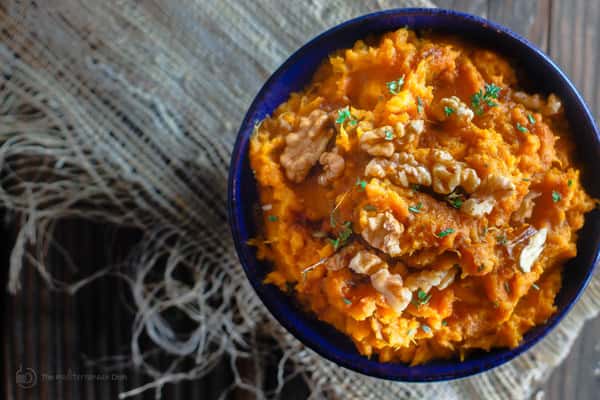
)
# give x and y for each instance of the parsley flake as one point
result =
(347, 301)
(419, 105)
(395, 86)
(531, 119)
(423, 298)
(426, 328)
(343, 115)
(455, 199)
(556, 197)
(370, 207)
(416, 208)
(521, 128)
(361, 184)
(448, 111)
(445, 232)
(343, 236)
(273, 218)
(389, 135)
(444, 323)
(570, 182)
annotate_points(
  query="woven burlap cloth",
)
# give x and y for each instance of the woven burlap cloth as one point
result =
(126, 112)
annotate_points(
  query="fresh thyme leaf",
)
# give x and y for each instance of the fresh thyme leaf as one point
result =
(273, 218)
(448, 111)
(423, 298)
(395, 86)
(353, 122)
(389, 135)
(343, 115)
(455, 199)
(361, 184)
(444, 323)
(531, 119)
(416, 208)
(536, 287)
(570, 182)
(335, 243)
(521, 128)
(492, 91)
(556, 197)
(480, 98)
(476, 102)
(343, 236)
(411, 332)
(445, 232)
(347, 301)
(369, 207)
(426, 328)
(419, 105)
(526, 179)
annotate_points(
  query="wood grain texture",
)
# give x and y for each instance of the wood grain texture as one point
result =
(56, 332)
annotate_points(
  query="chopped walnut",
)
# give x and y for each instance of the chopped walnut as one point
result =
(340, 259)
(462, 112)
(535, 102)
(532, 251)
(390, 286)
(401, 168)
(478, 207)
(448, 174)
(497, 184)
(363, 262)
(378, 142)
(333, 166)
(427, 279)
(383, 232)
(304, 147)
(526, 208)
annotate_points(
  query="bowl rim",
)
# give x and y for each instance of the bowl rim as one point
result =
(505, 354)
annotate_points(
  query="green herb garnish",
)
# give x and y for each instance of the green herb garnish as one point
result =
(444, 323)
(556, 196)
(526, 179)
(536, 287)
(389, 135)
(416, 187)
(531, 119)
(426, 328)
(501, 239)
(411, 332)
(480, 98)
(416, 208)
(448, 111)
(395, 86)
(419, 105)
(343, 115)
(273, 218)
(423, 298)
(455, 199)
(343, 236)
(521, 128)
(369, 207)
(445, 232)
(361, 184)
(570, 182)
(347, 301)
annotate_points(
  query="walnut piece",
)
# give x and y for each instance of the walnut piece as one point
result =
(378, 142)
(478, 207)
(535, 102)
(525, 210)
(448, 174)
(401, 168)
(427, 279)
(462, 112)
(333, 166)
(390, 286)
(493, 188)
(363, 262)
(532, 251)
(383, 232)
(304, 147)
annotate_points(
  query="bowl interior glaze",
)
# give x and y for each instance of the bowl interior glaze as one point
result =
(296, 72)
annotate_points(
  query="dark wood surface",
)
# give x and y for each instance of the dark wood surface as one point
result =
(55, 333)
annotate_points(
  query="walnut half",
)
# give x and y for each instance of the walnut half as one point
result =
(304, 147)
(383, 232)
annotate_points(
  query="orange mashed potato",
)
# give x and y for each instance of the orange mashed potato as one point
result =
(414, 197)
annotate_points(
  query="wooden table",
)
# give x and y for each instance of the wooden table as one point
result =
(54, 332)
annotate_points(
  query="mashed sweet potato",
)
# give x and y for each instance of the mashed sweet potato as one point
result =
(416, 199)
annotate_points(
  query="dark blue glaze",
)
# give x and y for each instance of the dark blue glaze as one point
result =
(296, 72)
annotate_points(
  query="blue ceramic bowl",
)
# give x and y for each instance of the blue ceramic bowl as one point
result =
(296, 72)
